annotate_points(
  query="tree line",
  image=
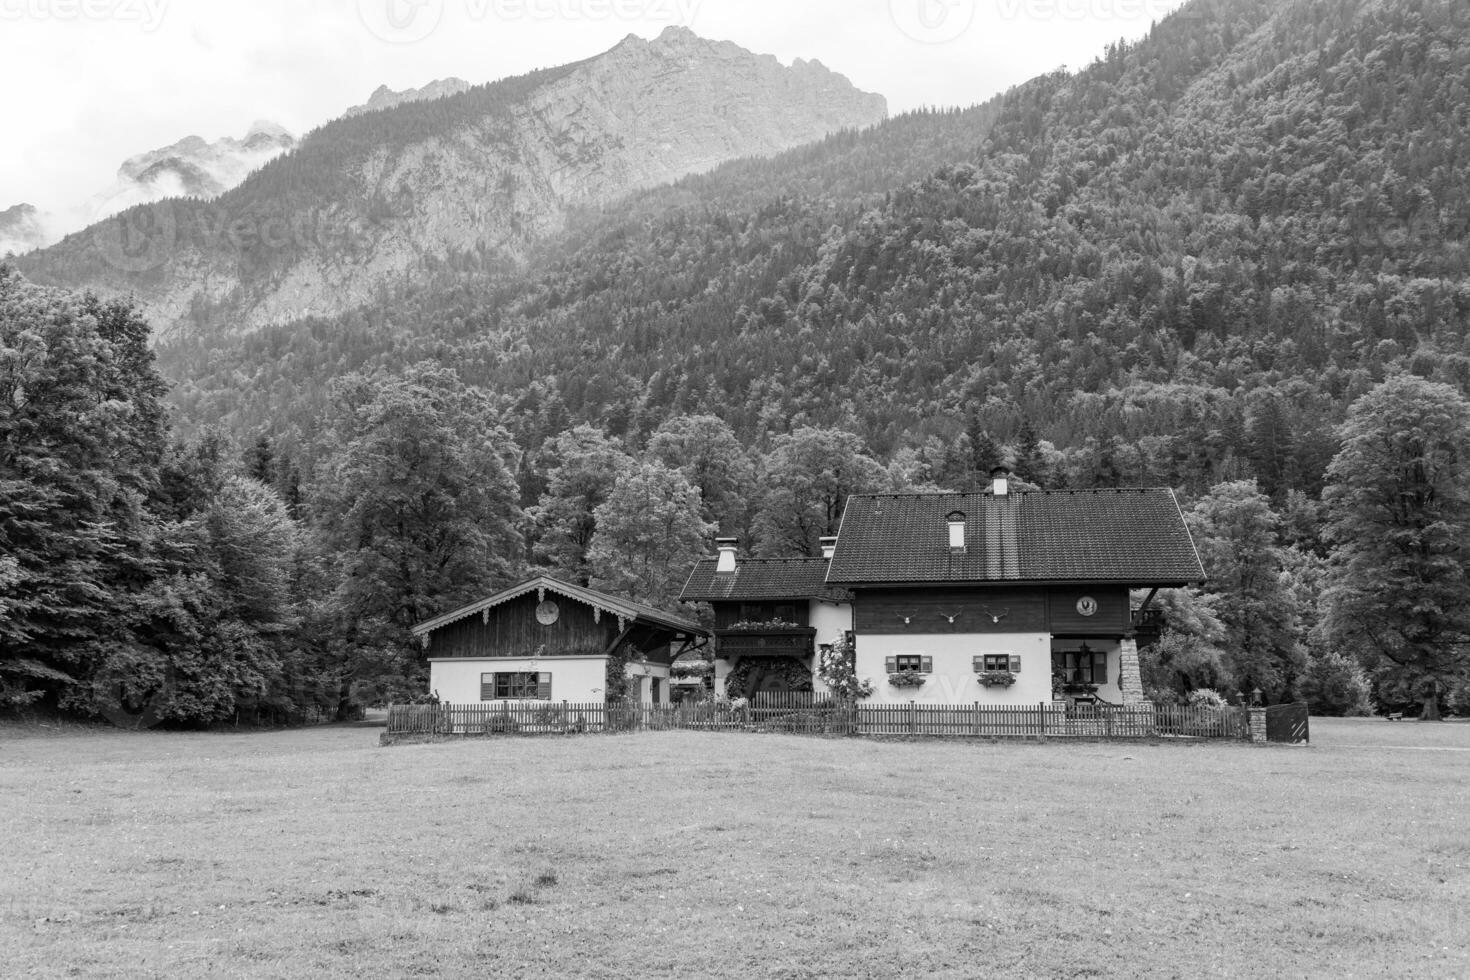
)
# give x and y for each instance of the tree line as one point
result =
(144, 576)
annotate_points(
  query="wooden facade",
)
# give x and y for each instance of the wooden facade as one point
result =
(787, 610)
(512, 630)
(1017, 609)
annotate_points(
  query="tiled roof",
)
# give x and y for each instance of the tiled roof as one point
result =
(762, 578)
(1134, 537)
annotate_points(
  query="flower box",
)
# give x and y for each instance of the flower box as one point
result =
(996, 678)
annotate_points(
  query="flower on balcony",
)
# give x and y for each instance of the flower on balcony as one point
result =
(996, 678)
(907, 678)
(764, 624)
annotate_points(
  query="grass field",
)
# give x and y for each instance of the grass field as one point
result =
(681, 854)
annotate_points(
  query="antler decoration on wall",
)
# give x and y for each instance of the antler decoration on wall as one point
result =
(905, 618)
(996, 617)
(951, 618)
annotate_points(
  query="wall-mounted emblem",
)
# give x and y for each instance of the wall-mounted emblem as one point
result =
(1087, 605)
(546, 613)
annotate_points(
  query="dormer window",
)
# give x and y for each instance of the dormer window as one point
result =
(956, 530)
(726, 550)
(1000, 481)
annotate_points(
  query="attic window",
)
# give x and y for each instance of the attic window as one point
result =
(956, 530)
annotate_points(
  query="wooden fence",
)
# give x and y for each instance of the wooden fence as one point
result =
(821, 715)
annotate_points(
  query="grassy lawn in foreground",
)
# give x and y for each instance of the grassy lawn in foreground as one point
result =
(689, 855)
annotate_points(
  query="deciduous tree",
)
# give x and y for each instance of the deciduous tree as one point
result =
(1235, 530)
(808, 478)
(649, 532)
(1398, 517)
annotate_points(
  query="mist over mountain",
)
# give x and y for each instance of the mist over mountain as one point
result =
(372, 199)
(22, 229)
(192, 167)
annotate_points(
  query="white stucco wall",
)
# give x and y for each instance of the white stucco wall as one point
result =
(953, 679)
(580, 680)
(640, 683)
(831, 620)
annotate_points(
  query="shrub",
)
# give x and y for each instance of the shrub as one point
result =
(1335, 685)
(837, 668)
(1207, 697)
(907, 678)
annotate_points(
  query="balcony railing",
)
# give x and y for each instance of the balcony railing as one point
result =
(787, 641)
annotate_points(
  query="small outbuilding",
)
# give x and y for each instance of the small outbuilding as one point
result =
(545, 639)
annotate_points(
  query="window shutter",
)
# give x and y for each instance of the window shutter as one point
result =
(891, 664)
(487, 687)
(926, 665)
(543, 686)
(1015, 665)
(977, 664)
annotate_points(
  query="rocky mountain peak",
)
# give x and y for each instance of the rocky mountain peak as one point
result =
(384, 97)
(489, 171)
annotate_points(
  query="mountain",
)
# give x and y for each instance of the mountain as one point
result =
(21, 229)
(372, 199)
(385, 98)
(1178, 265)
(192, 167)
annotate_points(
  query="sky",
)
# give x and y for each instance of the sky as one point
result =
(92, 82)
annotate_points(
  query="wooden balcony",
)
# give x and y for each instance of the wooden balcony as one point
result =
(790, 641)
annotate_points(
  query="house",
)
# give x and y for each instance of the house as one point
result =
(772, 616)
(958, 598)
(545, 639)
(985, 596)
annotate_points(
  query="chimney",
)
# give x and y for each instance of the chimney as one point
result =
(726, 548)
(1000, 481)
(956, 520)
(829, 545)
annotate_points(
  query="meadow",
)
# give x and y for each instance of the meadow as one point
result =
(685, 854)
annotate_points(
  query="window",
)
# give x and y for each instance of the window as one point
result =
(787, 614)
(998, 661)
(515, 685)
(910, 662)
(1085, 666)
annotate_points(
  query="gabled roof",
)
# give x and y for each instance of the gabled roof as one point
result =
(624, 609)
(1127, 537)
(762, 578)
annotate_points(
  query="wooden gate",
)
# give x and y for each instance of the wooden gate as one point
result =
(1287, 723)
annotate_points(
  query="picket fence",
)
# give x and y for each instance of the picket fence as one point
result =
(787, 712)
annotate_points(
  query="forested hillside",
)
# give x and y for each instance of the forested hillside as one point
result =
(1179, 264)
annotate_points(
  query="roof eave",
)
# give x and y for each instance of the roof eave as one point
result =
(609, 604)
(1132, 583)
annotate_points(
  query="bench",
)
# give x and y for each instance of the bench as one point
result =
(1395, 716)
